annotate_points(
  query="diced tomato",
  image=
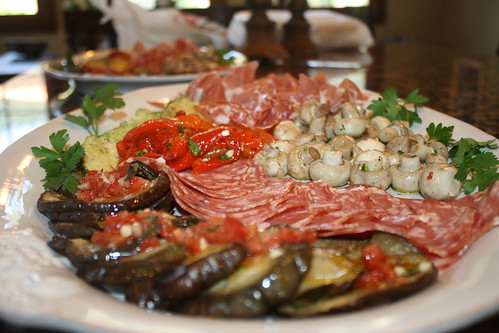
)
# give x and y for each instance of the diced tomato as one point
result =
(378, 268)
(110, 186)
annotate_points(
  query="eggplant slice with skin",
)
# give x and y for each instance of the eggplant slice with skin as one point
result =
(414, 268)
(145, 265)
(190, 279)
(260, 284)
(60, 207)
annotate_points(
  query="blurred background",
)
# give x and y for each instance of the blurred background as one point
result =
(51, 26)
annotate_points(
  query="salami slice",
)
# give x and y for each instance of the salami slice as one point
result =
(443, 229)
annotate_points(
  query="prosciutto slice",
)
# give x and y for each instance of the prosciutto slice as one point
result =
(240, 99)
(443, 229)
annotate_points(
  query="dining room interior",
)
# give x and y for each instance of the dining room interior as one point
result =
(448, 49)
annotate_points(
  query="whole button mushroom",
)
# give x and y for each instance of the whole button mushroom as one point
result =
(437, 182)
(371, 168)
(286, 130)
(299, 160)
(405, 177)
(331, 169)
(273, 161)
(311, 110)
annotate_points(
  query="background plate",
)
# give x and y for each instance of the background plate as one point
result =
(86, 82)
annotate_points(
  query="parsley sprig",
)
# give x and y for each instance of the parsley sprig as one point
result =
(63, 165)
(104, 98)
(475, 167)
(389, 106)
(441, 133)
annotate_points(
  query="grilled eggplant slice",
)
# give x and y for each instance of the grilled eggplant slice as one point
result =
(330, 274)
(414, 273)
(201, 272)
(60, 207)
(195, 275)
(83, 229)
(260, 284)
(146, 265)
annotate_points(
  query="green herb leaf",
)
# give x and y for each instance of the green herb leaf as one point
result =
(475, 167)
(93, 107)
(440, 133)
(63, 167)
(391, 108)
(193, 147)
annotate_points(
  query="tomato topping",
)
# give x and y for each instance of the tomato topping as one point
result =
(110, 186)
(148, 227)
(378, 268)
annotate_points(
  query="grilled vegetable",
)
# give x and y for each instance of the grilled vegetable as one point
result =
(259, 285)
(201, 273)
(392, 268)
(145, 265)
(60, 207)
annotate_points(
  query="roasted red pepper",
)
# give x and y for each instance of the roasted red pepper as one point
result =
(186, 141)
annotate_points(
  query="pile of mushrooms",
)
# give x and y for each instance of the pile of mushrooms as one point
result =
(348, 148)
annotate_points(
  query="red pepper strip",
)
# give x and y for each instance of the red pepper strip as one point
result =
(201, 164)
(183, 163)
(208, 139)
(150, 125)
(128, 145)
(179, 147)
(191, 121)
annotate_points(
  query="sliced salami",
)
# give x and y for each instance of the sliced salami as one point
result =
(443, 229)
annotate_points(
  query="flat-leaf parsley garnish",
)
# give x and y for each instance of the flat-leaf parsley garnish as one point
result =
(104, 98)
(391, 108)
(475, 167)
(63, 165)
(441, 133)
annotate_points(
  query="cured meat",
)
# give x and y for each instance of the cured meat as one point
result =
(443, 229)
(240, 99)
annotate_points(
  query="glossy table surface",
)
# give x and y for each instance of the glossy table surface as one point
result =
(457, 84)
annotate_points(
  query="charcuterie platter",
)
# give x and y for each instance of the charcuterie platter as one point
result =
(40, 284)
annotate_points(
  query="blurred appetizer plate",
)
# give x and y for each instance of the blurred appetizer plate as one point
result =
(39, 288)
(86, 82)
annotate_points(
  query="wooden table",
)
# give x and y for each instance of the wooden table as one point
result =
(460, 85)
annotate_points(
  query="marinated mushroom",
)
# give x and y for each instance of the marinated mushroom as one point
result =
(439, 148)
(345, 144)
(311, 110)
(371, 168)
(400, 143)
(299, 160)
(421, 150)
(379, 122)
(331, 169)
(370, 144)
(405, 177)
(286, 130)
(395, 129)
(273, 161)
(354, 127)
(437, 182)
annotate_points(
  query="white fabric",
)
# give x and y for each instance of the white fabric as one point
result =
(328, 29)
(133, 23)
